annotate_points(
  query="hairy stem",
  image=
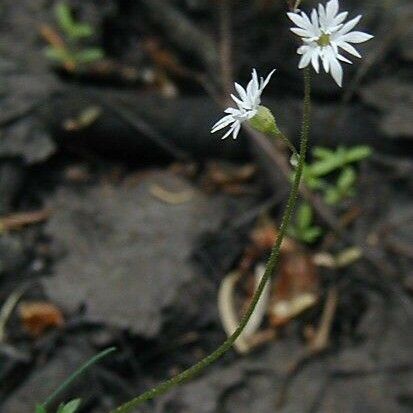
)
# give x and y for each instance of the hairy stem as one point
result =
(270, 268)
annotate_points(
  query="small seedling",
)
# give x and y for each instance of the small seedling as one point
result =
(318, 177)
(303, 228)
(69, 50)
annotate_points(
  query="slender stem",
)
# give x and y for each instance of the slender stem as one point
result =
(74, 376)
(271, 266)
(288, 143)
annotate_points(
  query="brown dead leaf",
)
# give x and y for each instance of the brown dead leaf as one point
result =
(296, 288)
(39, 316)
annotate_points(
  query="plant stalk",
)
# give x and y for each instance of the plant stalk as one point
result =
(272, 263)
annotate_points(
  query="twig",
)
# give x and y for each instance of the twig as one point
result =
(225, 45)
(21, 219)
(182, 31)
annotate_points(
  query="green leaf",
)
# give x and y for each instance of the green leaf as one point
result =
(64, 17)
(312, 234)
(322, 153)
(346, 179)
(89, 55)
(357, 153)
(70, 407)
(304, 216)
(40, 409)
(332, 195)
(81, 30)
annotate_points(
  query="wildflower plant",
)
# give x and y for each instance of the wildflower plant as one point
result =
(323, 34)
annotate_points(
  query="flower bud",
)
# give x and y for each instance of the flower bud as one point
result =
(264, 121)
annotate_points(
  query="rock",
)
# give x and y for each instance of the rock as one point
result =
(45, 379)
(127, 253)
(394, 98)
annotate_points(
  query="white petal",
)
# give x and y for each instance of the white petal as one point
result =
(241, 91)
(266, 81)
(239, 102)
(230, 130)
(340, 18)
(236, 130)
(300, 21)
(344, 59)
(331, 9)
(305, 60)
(356, 37)
(301, 32)
(349, 25)
(348, 48)
(222, 123)
(314, 22)
(315, 62)
(326, 62)
(336, 71)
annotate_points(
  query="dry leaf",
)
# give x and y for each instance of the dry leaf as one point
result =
(39, 316)
(296, 288)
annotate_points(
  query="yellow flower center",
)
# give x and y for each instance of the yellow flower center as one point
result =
(324, 40)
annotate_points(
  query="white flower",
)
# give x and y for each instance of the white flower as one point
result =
(323, 35)
(247, 105)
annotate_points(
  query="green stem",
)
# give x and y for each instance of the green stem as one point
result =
(74, 376)
(271, 266)
(287, 142)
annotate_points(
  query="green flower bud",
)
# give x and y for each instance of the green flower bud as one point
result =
(264, 121)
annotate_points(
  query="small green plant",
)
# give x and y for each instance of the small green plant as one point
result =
(70, 51)
(332, 175)
(303, 228)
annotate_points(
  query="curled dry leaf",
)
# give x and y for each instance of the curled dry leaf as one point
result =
(229, 313)
(296, 288)
(39, 316)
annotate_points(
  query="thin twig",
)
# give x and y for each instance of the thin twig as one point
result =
(225, 45)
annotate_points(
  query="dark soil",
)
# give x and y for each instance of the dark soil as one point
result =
(138, 237)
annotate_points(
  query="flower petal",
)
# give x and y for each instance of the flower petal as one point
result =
(236, 130)
(349, 25)
(349, 48)
(356, 37)
(305, 59)
(301, 32)
(331, 9)
(241, 91)
(298, 20)
(222, 123)
(336, 70)
(266, 81)
(315, 62)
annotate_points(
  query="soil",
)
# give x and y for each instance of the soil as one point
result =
(144, 213)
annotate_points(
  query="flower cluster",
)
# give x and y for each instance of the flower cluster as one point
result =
(323, 33)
